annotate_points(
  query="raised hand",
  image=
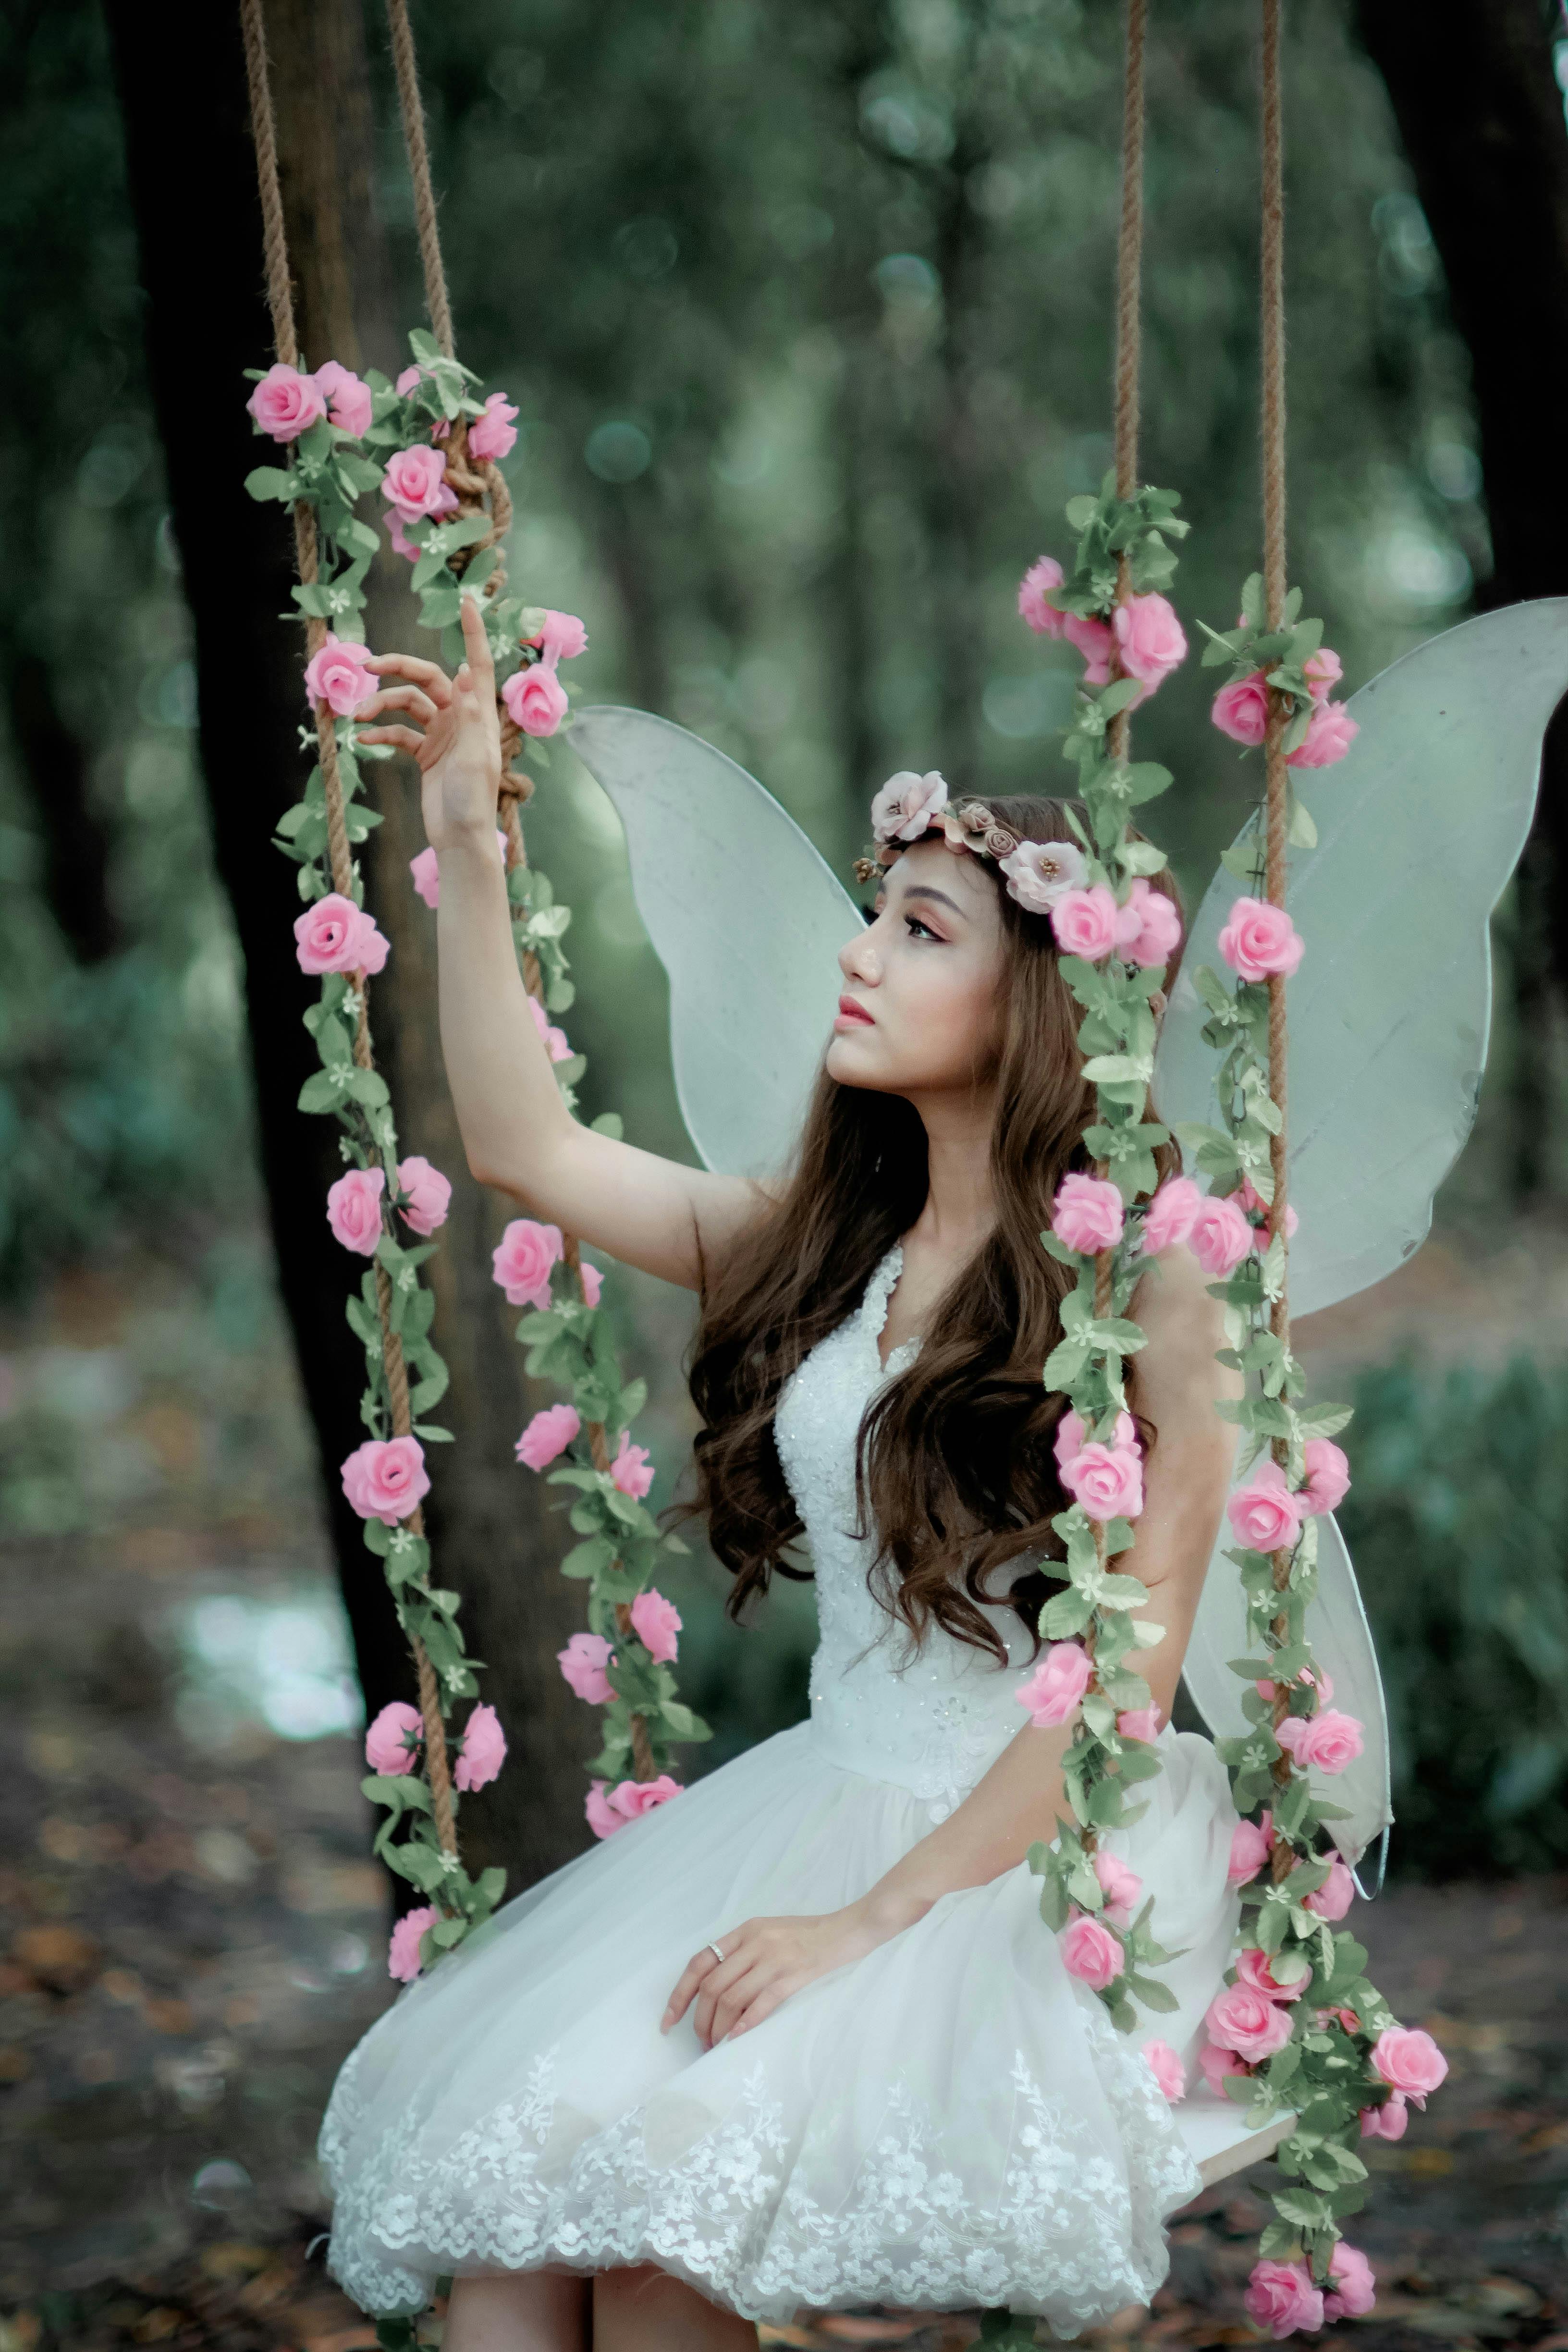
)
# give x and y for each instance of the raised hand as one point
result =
(460, 749)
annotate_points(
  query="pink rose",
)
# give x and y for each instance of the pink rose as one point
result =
(1386, 2121)
(352, 406)
(561, 638)
(403, 1951)
(1323, 672)
(1409, 2061)
(552, 1040)
(415, 484)
(353, 1209)
(430, 1194)
(631, 1470)
(492, 433)
(1095, 641)
(334, 935)
(393, 1740)
(1139, 1722)
(1040, 872)
(583, 1664)
(1248, 1850)
(427, 872)
(1254, 1969)
(1265, 1515)
(1106, 1482)
(1253, 1201)
(401, 544)
(656, 1621)
(1330, 731)
(535, 698)
(1085, 923)
(1057, 1685)
(1220, 1236)
(1150, 643)
(384, 1477)
(1241, 709)
(1091, 1952)
(612, 1811)
(548, 1436)
(1248, 2021)
(1068, 1438)
(1120, 1886)
(1167, 2069)
(1088, 1212)
(1043, 618)
(1148, 928)
(523, 1259)
(483, 1750)
(1355, 2284)
(286, 401)
(1328, 1474)
(1260, 939)
(407, 380)
(906, 804)
(1281, 2297)
(593, 1282)
(337, 675)
(1215, 2065)
(1171, 1215)
(1329, 1740)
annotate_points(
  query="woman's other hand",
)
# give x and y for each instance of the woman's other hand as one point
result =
(764, 1961)
(459, 752)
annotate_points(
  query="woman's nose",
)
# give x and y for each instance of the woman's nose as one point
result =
(857, 959)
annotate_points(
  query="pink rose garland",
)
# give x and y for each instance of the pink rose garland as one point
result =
(334, 935)
(384, 1477)
(523, 1259)
(609, 1809)
(402, 1949)
(353, 1209)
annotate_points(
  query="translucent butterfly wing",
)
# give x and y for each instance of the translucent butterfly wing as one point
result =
(747, 919)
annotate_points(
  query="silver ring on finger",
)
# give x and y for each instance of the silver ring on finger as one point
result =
(714, 1949)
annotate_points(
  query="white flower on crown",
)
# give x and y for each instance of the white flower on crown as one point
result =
(1040, 872)
(906, 805)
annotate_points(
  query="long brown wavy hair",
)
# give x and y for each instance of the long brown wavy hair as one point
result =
(954, 1466)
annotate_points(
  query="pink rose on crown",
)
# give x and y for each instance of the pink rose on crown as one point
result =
(535, 699)
(1044, 619)
(523, 1259)
(906, 804)
(1039, 873)
(583, 1664)
(353, 1209)
(351, 405)
(285, 402)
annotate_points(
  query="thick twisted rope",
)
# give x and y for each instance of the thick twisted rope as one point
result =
(286, 342)
(475, 480)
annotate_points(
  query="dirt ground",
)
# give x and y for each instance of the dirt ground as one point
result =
(192, 1935)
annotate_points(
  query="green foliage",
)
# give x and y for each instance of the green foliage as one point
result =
(1457, 1523)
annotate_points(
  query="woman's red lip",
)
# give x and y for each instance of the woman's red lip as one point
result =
(851, 1009)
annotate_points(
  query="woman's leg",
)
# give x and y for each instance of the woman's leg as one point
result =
(533, 2311)
(641, 2308)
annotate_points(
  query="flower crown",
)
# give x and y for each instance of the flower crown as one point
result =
(909, 807)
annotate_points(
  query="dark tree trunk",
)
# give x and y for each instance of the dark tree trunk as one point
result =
(1481, 114)
(76, 843)
(194, 199)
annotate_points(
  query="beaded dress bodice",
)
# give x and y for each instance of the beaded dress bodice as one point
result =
(935, 1723)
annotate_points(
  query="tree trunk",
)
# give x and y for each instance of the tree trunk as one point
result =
(486, 1519)
(1481, 114)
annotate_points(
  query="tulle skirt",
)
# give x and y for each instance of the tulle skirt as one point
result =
(950, 2121)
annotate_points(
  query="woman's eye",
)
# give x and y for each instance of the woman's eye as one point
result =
(924, 929)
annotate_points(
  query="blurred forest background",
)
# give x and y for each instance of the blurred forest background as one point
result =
(807, 312)
(807, 316)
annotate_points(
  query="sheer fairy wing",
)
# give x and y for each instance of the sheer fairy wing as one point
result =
(747, 919)
(1419, 828)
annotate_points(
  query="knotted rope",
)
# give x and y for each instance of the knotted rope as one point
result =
(474, 481)
(286, 342)
(1271, 324)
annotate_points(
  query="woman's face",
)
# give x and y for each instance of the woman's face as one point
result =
(921, 1012)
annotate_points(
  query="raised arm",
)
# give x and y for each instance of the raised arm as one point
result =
(517, 1134)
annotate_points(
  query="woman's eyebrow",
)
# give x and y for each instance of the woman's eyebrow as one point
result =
(924, 890)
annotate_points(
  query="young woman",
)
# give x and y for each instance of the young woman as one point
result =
(798, 2036)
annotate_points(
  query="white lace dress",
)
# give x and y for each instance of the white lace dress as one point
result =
(950, 2121)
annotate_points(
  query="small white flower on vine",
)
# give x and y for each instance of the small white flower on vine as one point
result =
(906, 805)
(1040, 872)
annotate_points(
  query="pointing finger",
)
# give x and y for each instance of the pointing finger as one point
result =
(475, 643)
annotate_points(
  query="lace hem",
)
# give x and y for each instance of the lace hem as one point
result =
(1072, 2235)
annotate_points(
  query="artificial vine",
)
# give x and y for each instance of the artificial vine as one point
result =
(429, 445)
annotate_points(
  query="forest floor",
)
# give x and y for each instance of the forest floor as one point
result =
(191, 1932)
